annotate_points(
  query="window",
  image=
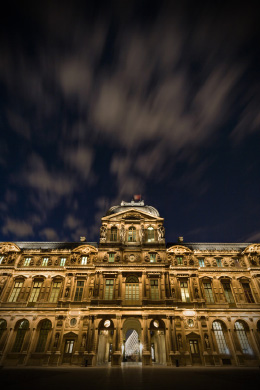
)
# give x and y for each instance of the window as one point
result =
(248, 293)
(84, 260)
(208, 292)
(27, 261)
(132, 289)
(113, 234)
(109, 290)
(79, 290)
(3, 326)
(16, 291)
(35, 291)
(1, 259)
(201, 263)
(154, 289)
(55, 291)
(179, 260)
(111, 257)
(242, 337)
(152, 257)
(228, 292)
(219, 262)
(45, 261)
(44, 331)
(131, 234)
(150, 234)
(22, 328)
(62, 261)
(185, 296)
(69, 346)
(194, 348)
(220, 338)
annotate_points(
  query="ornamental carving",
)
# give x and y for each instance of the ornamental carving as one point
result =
(179, 250)
(9, 247)
(85, 249)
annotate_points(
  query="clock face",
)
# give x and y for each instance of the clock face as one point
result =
(132, 258)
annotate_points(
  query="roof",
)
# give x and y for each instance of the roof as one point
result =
(52, 245)
(211, 246)
(139, 206)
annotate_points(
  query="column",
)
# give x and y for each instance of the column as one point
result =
(117, 354)
(146, 356)
(169, 344)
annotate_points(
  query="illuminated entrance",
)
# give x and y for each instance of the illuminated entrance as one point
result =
(132, 348)
(105, 341)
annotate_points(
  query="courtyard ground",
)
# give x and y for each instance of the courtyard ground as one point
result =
(136, 377)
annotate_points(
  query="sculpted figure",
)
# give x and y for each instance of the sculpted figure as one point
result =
(83, 342)
(161, 232)
(206, 338)
(179, 338)
(103, 232)
(141, 233)
(56, 341)
(122, 233)
(196, 293)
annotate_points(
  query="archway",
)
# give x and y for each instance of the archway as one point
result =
(132, 347)
(158, 349)
(68, 347)
(105, 341)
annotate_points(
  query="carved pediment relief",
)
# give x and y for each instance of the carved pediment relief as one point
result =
(131, 214)
(85, 249)
(252, 248)
(9, 247)
(179, 250)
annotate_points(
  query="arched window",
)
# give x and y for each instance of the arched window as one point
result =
(44, 331)
(220, 338)
(150, 234)
(22, 328)
(131, 234)
(3, 326)
(113, 234)
(242, 337)
(55, 291)
(132, 289)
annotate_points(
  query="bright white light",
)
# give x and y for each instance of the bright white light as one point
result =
(107, 323)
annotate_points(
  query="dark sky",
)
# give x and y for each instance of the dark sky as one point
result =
(100, 101)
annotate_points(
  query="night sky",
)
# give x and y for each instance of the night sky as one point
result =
(100, 101)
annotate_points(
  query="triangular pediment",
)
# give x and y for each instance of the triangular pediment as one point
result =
(9, 247)
(131, 214)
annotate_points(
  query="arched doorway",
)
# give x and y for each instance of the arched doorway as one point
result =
(105, 341)
(68, 347)
(158, 349)
(132, 347)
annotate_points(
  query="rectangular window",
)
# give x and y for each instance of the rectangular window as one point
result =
(219, 262)
(109, 290)
(69, 346)
(185, 296)
(113, 234)
(194, 347)
(150, 234)
(248, 293)
(62, 261)
(1, 259)
(132, 292)
(79, 290)
(179, 260)
(201, 263)
(154, 289)
(55, 292)
(27, 261)
(16, 291)
(45, 261)
(131, 234)
(228, 292)
(208, 292)
(35, 291)
(111, 257)
(84, 260)
(152, 257)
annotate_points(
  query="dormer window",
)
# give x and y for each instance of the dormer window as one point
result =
(1, 259)
(45, 261)
(131, 234)
(62, 261)
(201, 263)
(179, 260)
(219, 262)
(113, 234)
(150, 234)
(27, 261)
(84, 260)
(152, 257)
(111, 257)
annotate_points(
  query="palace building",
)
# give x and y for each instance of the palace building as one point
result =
(129, 299)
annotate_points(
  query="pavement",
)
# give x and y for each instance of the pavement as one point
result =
(130, 377)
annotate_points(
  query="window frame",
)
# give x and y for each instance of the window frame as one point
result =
(113, 233)
(45, 261)
(79, 290)
(15, 293)
(27, 261)
(185, 291)
(84, 260)
(109, 289)
(63, 261)
(35, 291)
(131, 234)
(55, 291)
(208, 291)
(154, 286)
(150, 230)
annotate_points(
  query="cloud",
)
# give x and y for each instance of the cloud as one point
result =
(71, 222)
(18, 124)
(17, 228)
(79, 158)
(255, 237)
(49, 234)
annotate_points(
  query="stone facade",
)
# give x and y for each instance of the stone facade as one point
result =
(131, 298)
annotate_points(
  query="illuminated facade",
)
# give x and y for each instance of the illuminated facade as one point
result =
(130, 298)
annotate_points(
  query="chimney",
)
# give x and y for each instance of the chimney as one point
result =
(82, 239)
(180, 239)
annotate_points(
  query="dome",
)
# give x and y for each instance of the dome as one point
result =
(139, 206)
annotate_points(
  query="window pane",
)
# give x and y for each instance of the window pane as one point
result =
(45, 261)
(84, 260)
(111, 258)
(79, 290)
(113, 234)
(16, 291)
(185, 296)
(201, 263)
(27, 261)
(55, 291)
(132, 292)
(35, 292)
(109, 289)
(248, 293)
(132, 234)
(150, 234)
(208, 292)
(242, 337)
(62, 261)
(152, 257)
(220, 338)
(228, 292)
(45, 328)
(179, 260)
(1, 259)
(154, 289)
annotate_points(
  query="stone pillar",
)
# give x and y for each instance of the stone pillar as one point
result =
(169, 344)
(31, 343)
(90, 355)
(146, 355)
(9, 340)
(231, 343)
(117, 353)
